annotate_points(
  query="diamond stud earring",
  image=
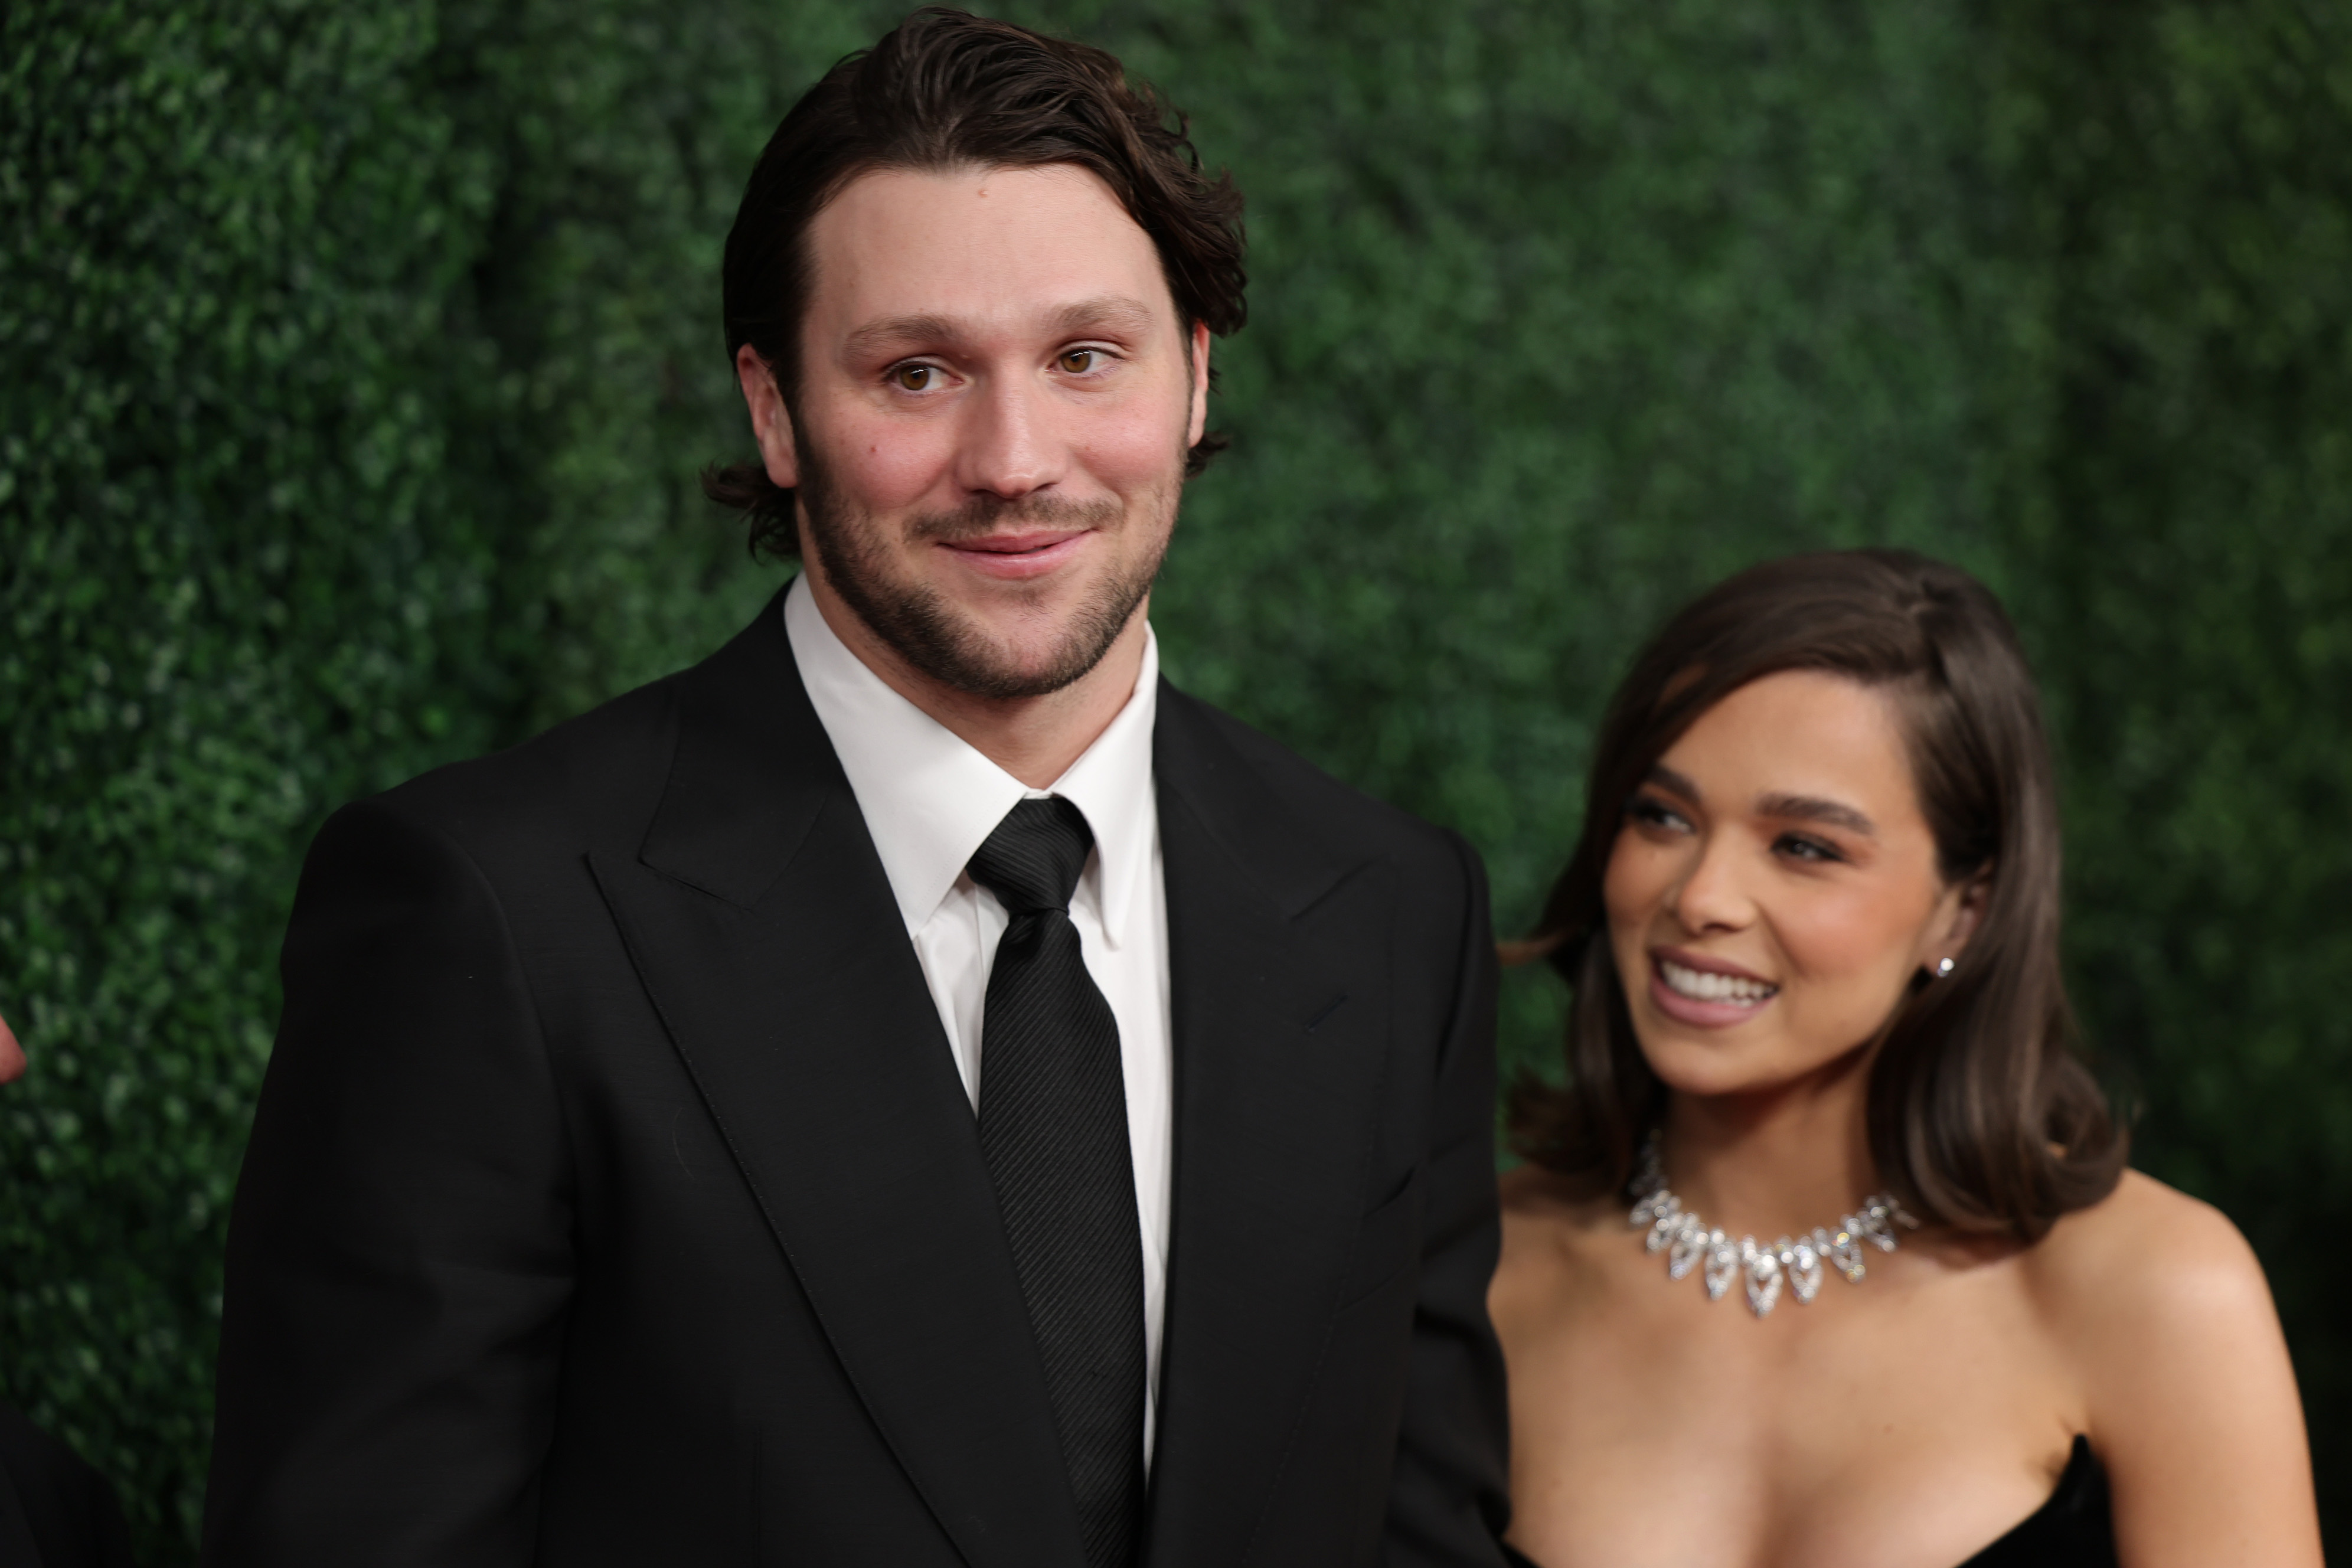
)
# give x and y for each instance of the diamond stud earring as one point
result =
(1943, 967)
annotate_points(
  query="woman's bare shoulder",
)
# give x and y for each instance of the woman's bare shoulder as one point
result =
(2149, 1246)
(2161, 1306)
(2149, 1277)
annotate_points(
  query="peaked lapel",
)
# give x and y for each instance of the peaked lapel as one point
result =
(760, 920)
(1280, 1047)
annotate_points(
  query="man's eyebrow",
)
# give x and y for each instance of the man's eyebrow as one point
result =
(1108, 310)
(899, 333)
(1813, 808)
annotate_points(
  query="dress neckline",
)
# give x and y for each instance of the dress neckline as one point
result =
(2074, 1526)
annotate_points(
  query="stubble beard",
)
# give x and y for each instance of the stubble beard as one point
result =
(941, 643)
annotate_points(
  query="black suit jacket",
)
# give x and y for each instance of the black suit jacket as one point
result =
(55, 1510)
(614, 1198)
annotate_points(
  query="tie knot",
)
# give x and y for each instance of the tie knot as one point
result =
(1032, 860)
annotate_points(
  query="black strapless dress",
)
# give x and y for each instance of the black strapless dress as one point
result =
(2075, 1528)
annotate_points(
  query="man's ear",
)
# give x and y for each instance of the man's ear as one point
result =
(771, 422)
(1200, 367)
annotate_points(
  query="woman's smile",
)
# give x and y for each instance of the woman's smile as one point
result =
(1709, 992)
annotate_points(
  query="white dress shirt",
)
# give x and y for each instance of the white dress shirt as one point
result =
(930, 800)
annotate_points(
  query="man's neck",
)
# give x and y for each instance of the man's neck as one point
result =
(1035, 739)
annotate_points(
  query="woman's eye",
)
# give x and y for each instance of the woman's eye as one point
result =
(1798, 847)
(914, 377)
(1657, 814)
(1077, 362)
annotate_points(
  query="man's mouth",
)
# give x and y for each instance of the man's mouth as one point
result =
(1029, 541)
(1018, 557)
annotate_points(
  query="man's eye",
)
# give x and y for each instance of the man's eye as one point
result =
(1797, 846)
(1077, 362)
(914, 377)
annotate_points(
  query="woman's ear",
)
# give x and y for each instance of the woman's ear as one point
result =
(771, 422)
(1956, 917)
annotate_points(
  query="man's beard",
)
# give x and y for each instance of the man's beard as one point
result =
(920, 627)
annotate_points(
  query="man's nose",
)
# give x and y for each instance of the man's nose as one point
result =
(1012, 444)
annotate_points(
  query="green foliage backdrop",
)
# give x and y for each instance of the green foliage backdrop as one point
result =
(355, 360)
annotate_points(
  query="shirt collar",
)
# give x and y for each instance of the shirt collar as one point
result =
(930, 800)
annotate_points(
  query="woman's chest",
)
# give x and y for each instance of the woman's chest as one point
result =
(1908, 1426)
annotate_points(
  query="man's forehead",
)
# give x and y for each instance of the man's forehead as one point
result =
(904, 253)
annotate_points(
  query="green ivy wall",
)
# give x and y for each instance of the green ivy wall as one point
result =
(356, 359)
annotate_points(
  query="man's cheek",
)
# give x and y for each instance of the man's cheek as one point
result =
(1132, 451)
(889, 466)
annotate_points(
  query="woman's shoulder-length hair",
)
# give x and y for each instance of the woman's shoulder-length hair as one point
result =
(1980, 1114)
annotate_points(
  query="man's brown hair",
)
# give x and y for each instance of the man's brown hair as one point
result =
(945, 89)
(1980, 1115)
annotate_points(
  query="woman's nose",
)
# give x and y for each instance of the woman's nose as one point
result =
(1711, 895)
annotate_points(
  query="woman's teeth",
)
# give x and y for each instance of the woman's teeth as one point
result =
(1700, 985)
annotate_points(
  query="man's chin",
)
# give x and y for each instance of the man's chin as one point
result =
(1004, 670)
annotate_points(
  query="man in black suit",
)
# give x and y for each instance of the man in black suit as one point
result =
(913, 1088)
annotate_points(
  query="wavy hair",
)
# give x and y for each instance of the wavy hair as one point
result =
(1981, 1115)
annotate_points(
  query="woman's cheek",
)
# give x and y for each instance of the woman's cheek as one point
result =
(1630, 886)
(1831, 936)
(1849, 951)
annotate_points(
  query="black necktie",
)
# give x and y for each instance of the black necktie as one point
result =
(1053, 1127)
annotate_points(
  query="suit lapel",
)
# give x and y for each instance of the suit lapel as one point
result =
(763, 924)
(1280, 1042)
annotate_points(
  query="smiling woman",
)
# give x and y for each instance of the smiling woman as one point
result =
(1980, 1112)
(1812, 930)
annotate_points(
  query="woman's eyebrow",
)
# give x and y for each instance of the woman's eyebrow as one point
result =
(1672, 782)
(1813, 808)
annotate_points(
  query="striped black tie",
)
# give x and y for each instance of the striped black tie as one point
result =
(1053, 1127)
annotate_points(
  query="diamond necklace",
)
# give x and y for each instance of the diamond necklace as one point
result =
(1688, 1242)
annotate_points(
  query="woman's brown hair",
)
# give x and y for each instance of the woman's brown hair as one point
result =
(945, 89)
(1980, 1114)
